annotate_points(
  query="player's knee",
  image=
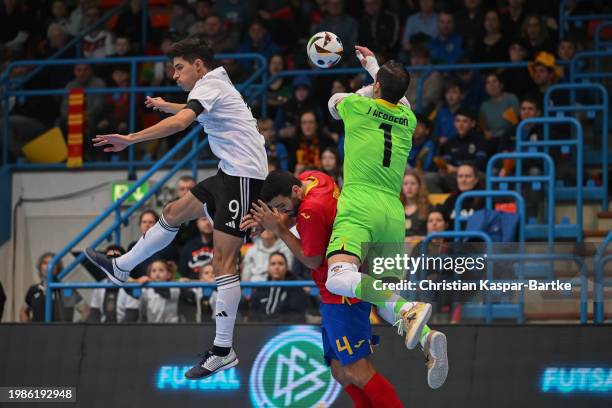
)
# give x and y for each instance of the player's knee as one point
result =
(171, 215)
(337, 372)
(358, 373)
(339, 279)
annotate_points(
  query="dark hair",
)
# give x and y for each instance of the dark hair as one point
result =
(394, 81)
(452, 83)
(278, 183)
(275, 253)
(467, 112)
(58, 266)
(190, 49)
(439, 209)
(424, 120)
(152, 212)
(533, 98)
(473, 167)
(187, 178)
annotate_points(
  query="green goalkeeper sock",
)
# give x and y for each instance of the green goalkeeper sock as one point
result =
(424, 334)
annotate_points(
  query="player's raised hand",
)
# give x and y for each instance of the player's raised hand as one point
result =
(111, 143)
(362, 53)
(270, 219)
(248, 222)
(157, 103)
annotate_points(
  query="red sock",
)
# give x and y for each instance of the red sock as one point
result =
(360, 399)
(381, 393)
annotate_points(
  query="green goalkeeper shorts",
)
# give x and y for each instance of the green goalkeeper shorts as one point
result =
(366, 215)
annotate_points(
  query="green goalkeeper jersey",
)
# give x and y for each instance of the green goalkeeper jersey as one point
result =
(378, 139)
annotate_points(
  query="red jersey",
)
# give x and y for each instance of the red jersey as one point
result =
(315, 221)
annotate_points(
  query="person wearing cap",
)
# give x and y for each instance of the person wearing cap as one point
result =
(544, 72)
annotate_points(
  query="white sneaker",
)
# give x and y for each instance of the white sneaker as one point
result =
(436, 357)
(411, 323)
(211, 364)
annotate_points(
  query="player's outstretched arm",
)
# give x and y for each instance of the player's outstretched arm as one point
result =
(166, 127)
(161, 105)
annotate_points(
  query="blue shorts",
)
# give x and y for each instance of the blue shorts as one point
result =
(347, 332)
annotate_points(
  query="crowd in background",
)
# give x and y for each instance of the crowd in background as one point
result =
(463, 117)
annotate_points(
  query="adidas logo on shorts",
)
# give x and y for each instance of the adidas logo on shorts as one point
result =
(231, 224)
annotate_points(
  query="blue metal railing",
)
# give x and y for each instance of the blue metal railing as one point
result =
(519, 178)
(120, 218)
(601, 282)
(604, 107)
(578, 19)
(133, 89)
(578, 62)
(564, 230)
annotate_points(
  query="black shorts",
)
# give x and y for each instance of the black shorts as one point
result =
(227, 199)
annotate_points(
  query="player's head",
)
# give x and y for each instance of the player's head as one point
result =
(283, 191)
(391, 82)
(192, 59)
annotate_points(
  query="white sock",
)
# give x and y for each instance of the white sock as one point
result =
(343, 278)
(388, 311)
(154, 240)
(228, 298)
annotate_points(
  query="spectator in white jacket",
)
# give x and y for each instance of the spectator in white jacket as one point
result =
(160, 305)
(256, 260)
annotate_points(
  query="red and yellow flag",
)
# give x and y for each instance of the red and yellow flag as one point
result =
(76, 122)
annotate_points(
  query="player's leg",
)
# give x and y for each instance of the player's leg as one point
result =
(359, 397)
(157, 238)
(353, 226)
(235, 195)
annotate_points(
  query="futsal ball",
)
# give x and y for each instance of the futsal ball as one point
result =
(324, 49)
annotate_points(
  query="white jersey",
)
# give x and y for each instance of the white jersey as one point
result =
(230, 125)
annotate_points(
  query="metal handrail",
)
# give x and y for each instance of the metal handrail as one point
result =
(521, 144)
(115, 208)
(604, 107)
(563, 18)
(549, 179)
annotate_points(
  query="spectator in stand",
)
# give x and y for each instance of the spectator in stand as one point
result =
(180, 19)
(255, 264)
(198, 252)
(63, 306)
(215, 34)
(14, 27)
(237, 12)
(341, 24)
(116, 113)
(492, 47)
(444, 120)
(123, 49)
(534, 31)
(288, 115)
(310, 143)
(498, 114)
(425, 22)
(517, 80)
(423, 148)
(198, 304)
(160, 305)
(147, 219)
(278, 304)
(99, 42)
(129, 25)
(203, 9)
(472, 85)
(275, 150)
(331, 164)
(436, 222)
(103, 303)
(566, 50)
(188, 231)
(447, 46)
(378, 29)
(94, 105)
(433, 86)
(467, 147)
(258, 41)
(470, 24)
(279, 91)
(415, 198)
(59, 15)
(280, 19)
(467, 180)
(513, 18)
(78, 20)
(545, 72)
